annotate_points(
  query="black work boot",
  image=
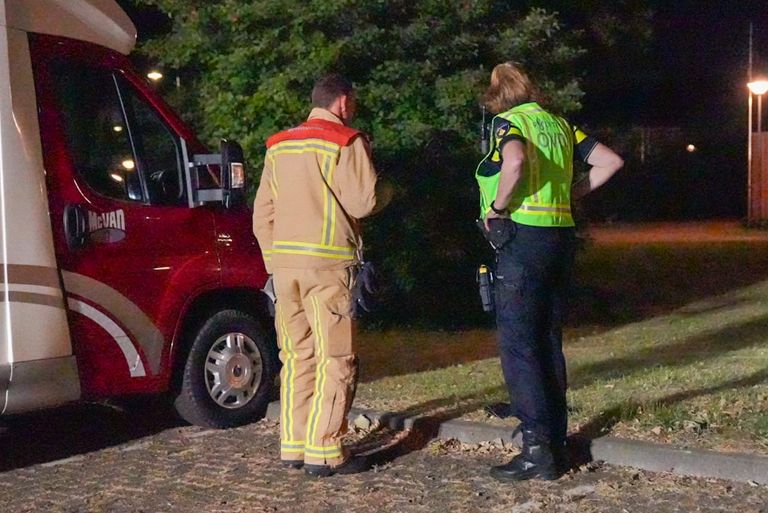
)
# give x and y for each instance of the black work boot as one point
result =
(535, 461)
(353, 465)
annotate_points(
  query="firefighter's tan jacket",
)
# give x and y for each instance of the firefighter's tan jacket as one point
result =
(318, 180)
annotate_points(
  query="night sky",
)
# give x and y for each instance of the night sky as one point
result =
(698, 62)
(694, 77)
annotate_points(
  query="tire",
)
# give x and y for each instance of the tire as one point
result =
(229, 373)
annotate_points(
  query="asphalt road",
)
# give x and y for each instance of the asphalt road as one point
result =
(95, 458)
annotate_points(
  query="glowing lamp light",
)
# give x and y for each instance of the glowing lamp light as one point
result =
(690, 148)
(128, 164)
(154, 75)
(116, 177)
(237, 179)
(117, 128)
(758, 87)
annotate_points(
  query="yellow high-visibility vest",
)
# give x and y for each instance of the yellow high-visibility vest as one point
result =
(543, 196)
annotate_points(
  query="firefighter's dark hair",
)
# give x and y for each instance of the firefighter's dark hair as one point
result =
(328, 88)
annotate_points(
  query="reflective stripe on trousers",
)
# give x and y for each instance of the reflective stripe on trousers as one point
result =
(319, 365)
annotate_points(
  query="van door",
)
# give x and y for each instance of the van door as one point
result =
(125, 237)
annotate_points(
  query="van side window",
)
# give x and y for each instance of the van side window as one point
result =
(96, 130)
(158, 150)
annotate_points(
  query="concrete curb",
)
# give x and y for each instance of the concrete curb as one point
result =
(615, 451)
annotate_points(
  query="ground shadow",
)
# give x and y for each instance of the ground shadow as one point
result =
(55, 434)
(623, 283)
(610, 417)
(674, 354)
(425, 419)
(614, 285)
(602, 424)
(427, 416)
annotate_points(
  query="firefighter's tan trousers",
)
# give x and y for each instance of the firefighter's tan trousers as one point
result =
(317, 382)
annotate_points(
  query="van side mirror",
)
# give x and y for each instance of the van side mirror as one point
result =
(216, 177)
(232, 174)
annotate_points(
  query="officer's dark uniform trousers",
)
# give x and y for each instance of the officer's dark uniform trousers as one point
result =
(533, 275)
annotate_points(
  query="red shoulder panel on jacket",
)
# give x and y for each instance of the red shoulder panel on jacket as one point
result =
(316, 129)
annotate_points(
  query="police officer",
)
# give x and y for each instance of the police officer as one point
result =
(318, 181)
(526, 191)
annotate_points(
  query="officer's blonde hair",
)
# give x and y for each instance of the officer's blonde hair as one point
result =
(510, 86)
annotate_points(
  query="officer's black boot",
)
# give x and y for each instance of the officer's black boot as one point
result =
(562, 456)
(534, 461)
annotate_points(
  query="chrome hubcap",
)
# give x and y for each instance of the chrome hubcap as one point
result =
(233, 370)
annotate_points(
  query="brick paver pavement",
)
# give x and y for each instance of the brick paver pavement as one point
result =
(98, 459)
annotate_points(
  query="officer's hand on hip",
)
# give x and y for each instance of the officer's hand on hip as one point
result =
(493, 215)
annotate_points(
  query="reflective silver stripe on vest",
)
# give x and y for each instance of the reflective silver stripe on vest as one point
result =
(279, 248)
(534, 208)
(297, 146)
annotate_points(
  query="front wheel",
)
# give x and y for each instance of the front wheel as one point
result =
(229, 372)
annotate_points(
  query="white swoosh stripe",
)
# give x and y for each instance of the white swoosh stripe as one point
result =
(132, 357)
(118, 307)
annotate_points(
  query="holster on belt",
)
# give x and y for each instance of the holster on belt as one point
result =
(501, 232)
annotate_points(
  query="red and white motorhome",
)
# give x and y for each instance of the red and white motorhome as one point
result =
(128, 263)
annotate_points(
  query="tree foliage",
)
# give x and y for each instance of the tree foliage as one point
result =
(246, 69)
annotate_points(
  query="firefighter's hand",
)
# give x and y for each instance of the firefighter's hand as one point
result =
(492, 215)
(385, 191)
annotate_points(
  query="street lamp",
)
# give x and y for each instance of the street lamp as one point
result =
(759, 88)
(154, 75)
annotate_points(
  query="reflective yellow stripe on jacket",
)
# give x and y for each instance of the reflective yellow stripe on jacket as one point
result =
(328, 154)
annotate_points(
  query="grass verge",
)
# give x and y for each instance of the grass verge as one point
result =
(693, 375)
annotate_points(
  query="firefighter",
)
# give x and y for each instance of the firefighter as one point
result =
(318, 181)
(525, 198)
